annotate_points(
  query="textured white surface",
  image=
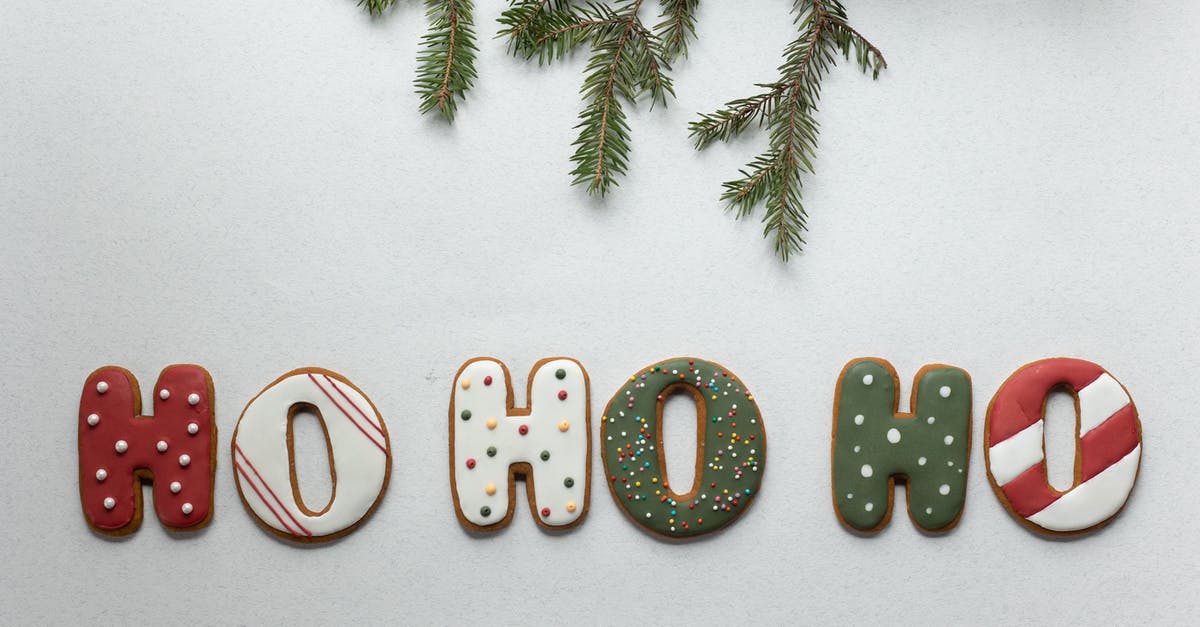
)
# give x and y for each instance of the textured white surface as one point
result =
(247, 186)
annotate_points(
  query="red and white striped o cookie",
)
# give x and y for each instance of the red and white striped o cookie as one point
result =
(1108, 441)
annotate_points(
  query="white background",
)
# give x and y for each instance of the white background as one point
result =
(248, 186)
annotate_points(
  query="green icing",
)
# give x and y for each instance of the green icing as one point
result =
(931, 447)
(732, 456)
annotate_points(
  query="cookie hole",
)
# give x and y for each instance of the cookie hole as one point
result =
(312, 460)
(679, 440)
(1059, 434)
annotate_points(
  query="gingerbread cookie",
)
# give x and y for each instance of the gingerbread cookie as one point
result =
(1108, 441)
(492, 444)
(874, 445)
(119, 449)
(264, 458)
(729, 463)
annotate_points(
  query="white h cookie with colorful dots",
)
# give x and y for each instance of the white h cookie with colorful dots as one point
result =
(548, 444)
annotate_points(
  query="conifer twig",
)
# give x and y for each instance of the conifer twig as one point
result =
(786, 108)
(446, 64)
(376, 7)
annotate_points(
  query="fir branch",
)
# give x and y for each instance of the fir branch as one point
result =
(678, 25)
(376, 7)
(446, 63)
(774, 178)
(628, 61)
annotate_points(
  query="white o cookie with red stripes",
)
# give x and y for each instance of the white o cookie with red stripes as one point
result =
(264, 456)
(1108, 447)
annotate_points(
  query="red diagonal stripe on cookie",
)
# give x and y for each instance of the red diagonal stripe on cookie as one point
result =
(1029, 493)
(1108, 443)
(250, 482)
(268, 487)
(346, 413)
(353, 404)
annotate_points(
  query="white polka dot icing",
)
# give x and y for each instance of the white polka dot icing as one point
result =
(870, 432)
(482, 455)
(122, 447)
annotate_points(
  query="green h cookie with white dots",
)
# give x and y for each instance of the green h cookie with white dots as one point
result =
(873, 445)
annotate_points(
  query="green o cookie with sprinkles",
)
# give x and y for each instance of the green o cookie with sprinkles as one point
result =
(731, 442)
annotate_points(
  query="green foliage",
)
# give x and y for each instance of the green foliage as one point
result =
(629, 63)
(678, 25)
(786, 108)
(446, 63)
(376, 7)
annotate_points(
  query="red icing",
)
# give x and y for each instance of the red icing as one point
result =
(1030, 493)
(1106, 444)
(119, 409)
(1019, 403)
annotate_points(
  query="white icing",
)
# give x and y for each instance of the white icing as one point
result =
(1008, 459)
(866, 470)
(858, 419)
(121, 446)
(164, 394)
(568, 448)
(102, 387)
(359, 451)
(930, 420)
(93, 420)
(944, 489)
(1094, 501)
(868, 380)
(944, 391)
(921, 461)
(161, 446)
(948, 440)
(869, 506)
(193, 398)
(176, 487)
(1098, 401)
(893, 435)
